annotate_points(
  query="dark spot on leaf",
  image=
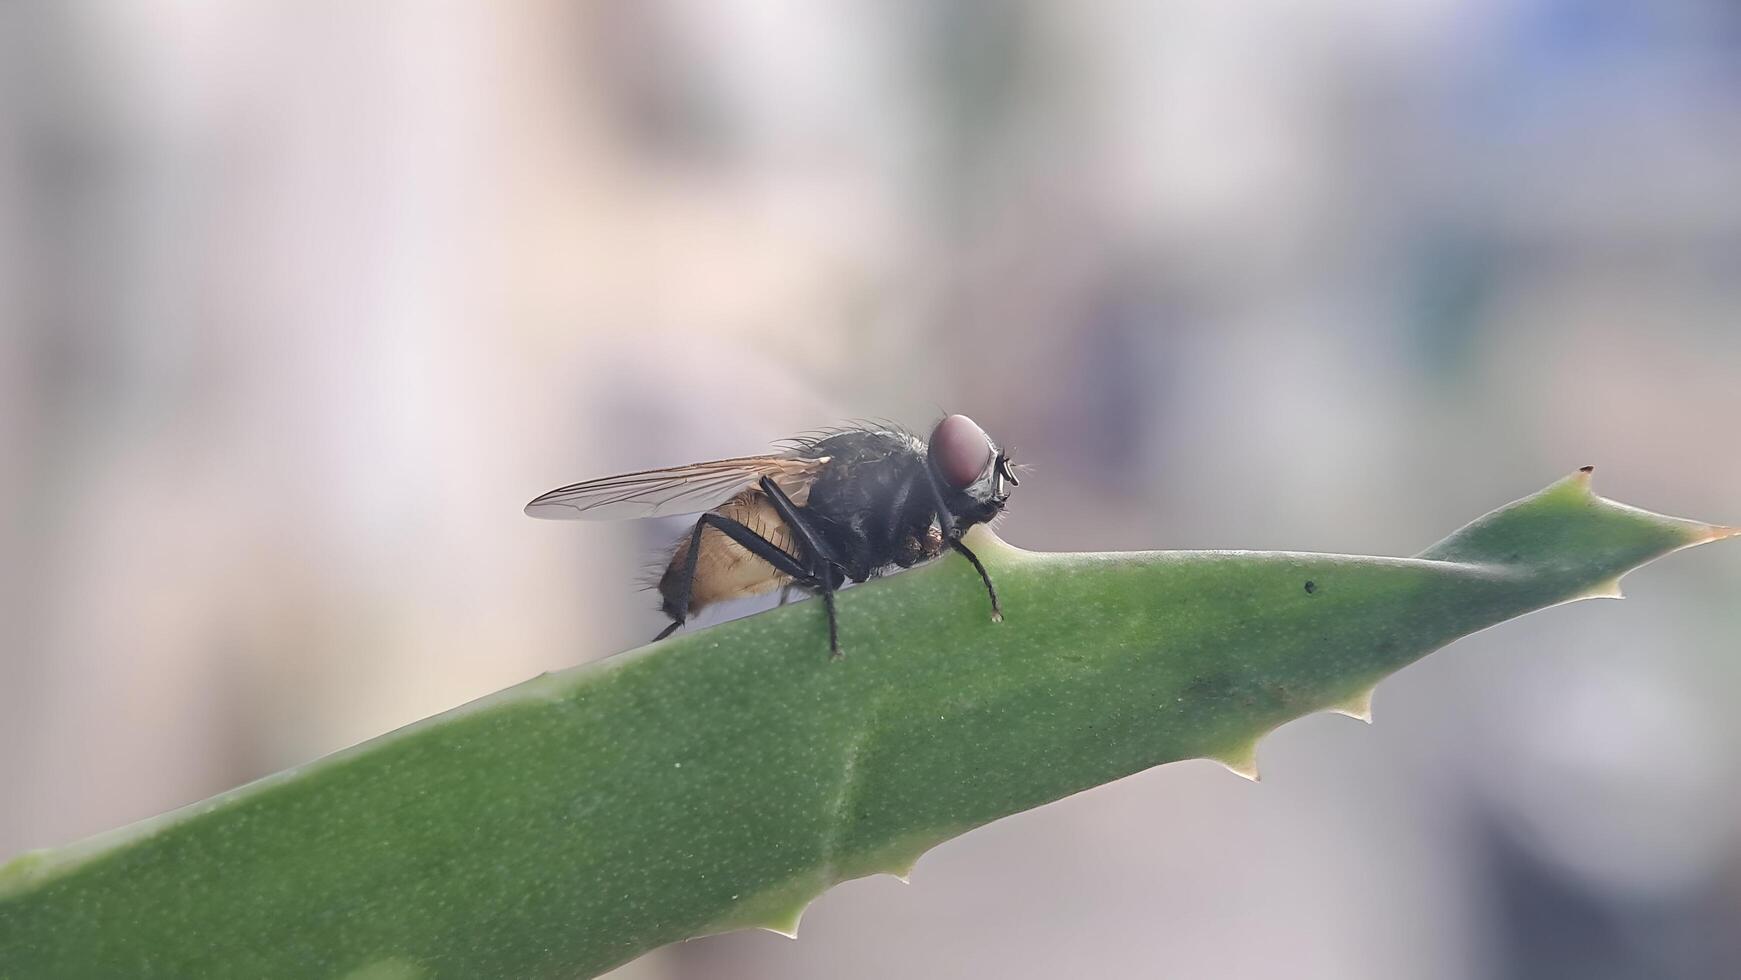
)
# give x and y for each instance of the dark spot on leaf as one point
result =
(1311, 586)
(1210, 687)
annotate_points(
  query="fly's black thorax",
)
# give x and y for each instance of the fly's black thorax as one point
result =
(872, 503)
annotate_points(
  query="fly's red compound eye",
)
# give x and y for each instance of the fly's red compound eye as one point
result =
(961, 451)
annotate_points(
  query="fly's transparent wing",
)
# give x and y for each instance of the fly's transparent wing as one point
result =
(679, 490)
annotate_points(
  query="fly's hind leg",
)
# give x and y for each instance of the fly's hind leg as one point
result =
(677, 604)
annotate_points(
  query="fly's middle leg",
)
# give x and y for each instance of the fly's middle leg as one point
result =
(825, 575)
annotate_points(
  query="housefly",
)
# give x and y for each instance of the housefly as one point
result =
(844, 506)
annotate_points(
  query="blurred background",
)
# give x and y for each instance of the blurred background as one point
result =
(301, 301)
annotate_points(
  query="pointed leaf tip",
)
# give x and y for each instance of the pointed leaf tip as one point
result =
(1697, 533)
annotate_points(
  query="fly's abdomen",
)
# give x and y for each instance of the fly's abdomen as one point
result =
(724, 569)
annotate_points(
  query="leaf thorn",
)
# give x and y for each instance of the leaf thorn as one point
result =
(785, 924)
(1358, 707)
(1607, 589)
(1242, 763)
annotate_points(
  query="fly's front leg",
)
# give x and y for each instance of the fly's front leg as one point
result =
(952, 537)
(826, 562)
(990, 589)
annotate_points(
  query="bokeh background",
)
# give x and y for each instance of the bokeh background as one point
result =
(301, 301)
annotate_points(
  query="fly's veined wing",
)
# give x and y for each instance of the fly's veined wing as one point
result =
(678, 490)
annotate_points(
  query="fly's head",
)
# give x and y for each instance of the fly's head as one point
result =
(973, 473)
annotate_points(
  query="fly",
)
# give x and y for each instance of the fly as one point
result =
(842, 507)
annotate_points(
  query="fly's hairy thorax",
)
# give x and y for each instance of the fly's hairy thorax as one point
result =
(873, 502)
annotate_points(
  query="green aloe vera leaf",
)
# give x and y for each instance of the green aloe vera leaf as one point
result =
(724, 778)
